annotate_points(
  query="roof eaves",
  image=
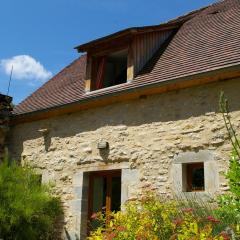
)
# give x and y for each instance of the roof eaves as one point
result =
(209, 73)
(84, 47)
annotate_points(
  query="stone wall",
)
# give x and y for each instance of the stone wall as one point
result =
(5, 109)
(149, 136)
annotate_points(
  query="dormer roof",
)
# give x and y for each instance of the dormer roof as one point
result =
(130, 32)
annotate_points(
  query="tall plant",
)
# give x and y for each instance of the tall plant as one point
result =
(233, 174)
(27, 208)
(230, 203)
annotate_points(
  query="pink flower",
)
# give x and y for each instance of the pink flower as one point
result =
(94, 216)
(212, 219)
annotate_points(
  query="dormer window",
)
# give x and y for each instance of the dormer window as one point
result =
(109, 70)
(118, 58)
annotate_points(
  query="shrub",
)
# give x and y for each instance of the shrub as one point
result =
(152, 218)
(229, 204)
(144, 219)
(27, 209)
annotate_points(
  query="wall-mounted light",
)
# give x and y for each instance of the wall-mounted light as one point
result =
(102, 144)
(44, 131)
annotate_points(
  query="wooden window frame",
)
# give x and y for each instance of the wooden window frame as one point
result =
(109, 174)
(93, 59)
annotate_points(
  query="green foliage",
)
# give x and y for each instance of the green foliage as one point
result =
(233, 175)
(152, 218)
(230, 203)
(27, 209)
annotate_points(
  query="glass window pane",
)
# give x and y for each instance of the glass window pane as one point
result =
(116, 194)
(99, 194)
(198, 178)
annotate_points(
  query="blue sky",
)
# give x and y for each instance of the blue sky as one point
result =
(37, 36)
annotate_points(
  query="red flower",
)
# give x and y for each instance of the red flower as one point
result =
(225, 236)
(177, 221)
(121, 228)
(139, 237)
(212, 219)
(187, 210)
(110, 236)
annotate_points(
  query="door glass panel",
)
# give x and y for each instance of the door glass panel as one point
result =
(99, 194)
(116, 194)
(99, 198)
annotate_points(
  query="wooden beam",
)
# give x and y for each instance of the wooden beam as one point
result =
(87, 85)
(108, 198)
(113, 46)
(130, 63)
(88, 74)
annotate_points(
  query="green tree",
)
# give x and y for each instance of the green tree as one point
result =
(27, 208)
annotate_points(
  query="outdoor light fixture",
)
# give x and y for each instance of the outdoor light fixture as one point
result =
(44, 131)
(102, 144)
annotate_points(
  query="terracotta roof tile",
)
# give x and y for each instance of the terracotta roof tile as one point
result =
(209, 40)
(63, 88)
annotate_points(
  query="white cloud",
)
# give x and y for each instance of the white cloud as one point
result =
(26, 68)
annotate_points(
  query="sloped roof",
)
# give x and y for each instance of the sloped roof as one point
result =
(209, 40)
(63, 88)
(172, 24)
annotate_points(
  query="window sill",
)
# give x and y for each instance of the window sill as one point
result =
(106, 88)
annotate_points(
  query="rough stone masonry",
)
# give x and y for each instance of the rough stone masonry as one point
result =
(5, 111)
(149, 139)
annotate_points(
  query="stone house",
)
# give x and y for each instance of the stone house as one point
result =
(138, 111)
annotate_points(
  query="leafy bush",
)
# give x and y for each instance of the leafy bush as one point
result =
(229, 204)
(145, 219)
(27, 209)
(151, 218)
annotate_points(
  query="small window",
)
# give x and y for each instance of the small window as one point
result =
(193, 174)
(110, 70)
